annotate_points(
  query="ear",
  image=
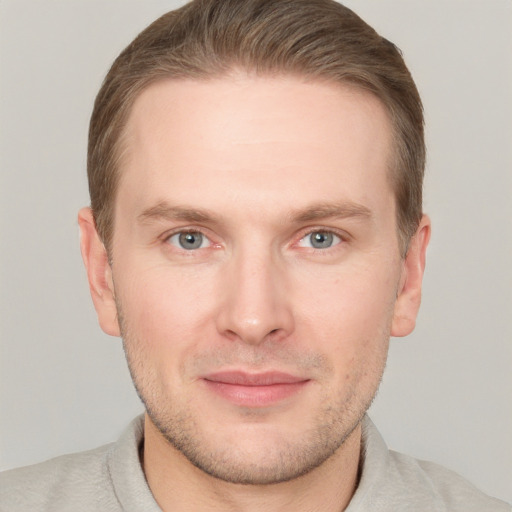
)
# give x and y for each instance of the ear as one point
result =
(409, 293)
(99, 273)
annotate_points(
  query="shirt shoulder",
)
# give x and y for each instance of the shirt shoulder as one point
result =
(77, 482)
(445, 489)
(394, 482)
(107, 479)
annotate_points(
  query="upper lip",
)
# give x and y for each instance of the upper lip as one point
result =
(242, 378)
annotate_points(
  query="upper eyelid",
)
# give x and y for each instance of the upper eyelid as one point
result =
(303, 232)
(332, 232)
(177, 233)
(342, 234)
(170, 246)
(185, 229)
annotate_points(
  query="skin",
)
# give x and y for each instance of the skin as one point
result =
(257, 166)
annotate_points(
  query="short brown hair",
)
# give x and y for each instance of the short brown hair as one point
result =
(316, 39)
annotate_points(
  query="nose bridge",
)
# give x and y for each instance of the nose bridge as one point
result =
(255, 302)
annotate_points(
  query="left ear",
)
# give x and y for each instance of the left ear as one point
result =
(409, 293)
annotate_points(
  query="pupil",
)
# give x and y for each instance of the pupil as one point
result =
(190, 240)
(321, 240)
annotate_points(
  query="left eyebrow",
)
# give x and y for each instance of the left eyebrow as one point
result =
(329, 210)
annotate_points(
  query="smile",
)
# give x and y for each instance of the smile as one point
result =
(254, 390)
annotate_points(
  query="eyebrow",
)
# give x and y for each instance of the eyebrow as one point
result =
(165, 211)
(331, 210)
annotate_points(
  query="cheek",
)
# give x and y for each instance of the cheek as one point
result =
(359, 298)
(164, 307)
(349, 314)
(165, 318)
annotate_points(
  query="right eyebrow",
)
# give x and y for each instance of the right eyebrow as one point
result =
(165, 211)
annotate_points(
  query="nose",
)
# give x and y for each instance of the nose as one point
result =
(255, 304)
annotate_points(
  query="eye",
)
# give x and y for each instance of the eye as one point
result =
(189, 240)
(320, 240)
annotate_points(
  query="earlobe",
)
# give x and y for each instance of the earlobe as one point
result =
(409, 293)
(99, 273)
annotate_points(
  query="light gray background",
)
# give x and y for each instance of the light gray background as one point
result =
(447, 392)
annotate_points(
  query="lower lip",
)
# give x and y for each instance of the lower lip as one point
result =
(255, 396)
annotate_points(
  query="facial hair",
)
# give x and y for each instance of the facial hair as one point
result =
(283, 460)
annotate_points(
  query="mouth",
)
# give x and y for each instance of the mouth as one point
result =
(255, 389)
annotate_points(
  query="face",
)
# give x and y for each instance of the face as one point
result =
(256, 274)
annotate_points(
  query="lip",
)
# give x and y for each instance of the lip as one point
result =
(254, 389)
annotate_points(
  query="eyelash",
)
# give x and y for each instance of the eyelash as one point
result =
(343, 238)
(188, 231)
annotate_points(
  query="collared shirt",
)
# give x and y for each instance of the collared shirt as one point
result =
(111, 479)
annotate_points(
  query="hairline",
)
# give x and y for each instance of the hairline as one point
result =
(121, 146)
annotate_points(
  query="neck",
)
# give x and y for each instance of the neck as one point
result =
(179, 486)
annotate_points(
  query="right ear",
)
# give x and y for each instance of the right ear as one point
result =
(99, 273)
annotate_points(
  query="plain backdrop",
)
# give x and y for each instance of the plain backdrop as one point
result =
(447, 391)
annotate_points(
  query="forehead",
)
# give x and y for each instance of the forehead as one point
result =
(254, 139)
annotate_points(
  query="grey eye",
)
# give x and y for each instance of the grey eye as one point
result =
(320, 240)
(189, 240)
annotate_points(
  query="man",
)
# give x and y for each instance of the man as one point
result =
(255, 236)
